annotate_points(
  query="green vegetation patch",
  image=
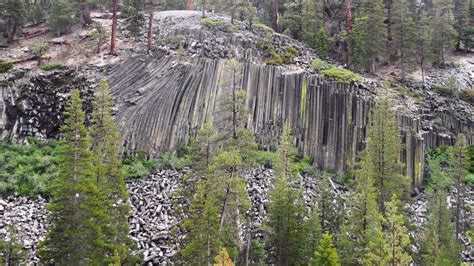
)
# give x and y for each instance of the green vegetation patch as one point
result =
(320, 65)
(262, 27)
(5, 66)
(217, 24)
(340, 75)
(290, 54)
(28, 169)
(135, 165)
(467, 95)
(274, 60)
(51, 66)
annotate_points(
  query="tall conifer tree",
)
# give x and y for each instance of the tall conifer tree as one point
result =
(285, 209)
(107, 172)
(383, 146)
(459, 164)
(75, 236)
(439, 244)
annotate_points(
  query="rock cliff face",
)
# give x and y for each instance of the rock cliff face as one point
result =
(162, 97)
(161, 101)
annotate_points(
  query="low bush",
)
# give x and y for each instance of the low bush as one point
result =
(275, 60)
(320, 65)
(136, 164)
(5, 66)
(51, 66)
(305, 166)
(289, 55)
(341, 75)
(444, 91)
(28, 169)
(467, 95)
(217, 24)
(267, 159)
(169, 160)
(262, 27)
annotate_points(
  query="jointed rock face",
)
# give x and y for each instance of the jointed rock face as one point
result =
(163, 97)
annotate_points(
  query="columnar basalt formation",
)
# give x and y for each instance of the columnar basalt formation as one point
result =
(161, 101)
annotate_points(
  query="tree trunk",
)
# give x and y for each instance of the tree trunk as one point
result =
(190, 5)
(232, 11)
(234, 106)
(203, 8)
(99, 44)
(276, 19)
(86, 13)
(348, 29)
(114, 27)
(150, 26)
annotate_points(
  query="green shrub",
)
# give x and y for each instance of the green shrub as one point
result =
(341, 75)
(443, 91)
(467, 95)
(136, 164)
(320, 65)
(275, 60)
(169, 160)
(5, 66)
(305, 166)
(217, 24)
(267, 158)
(51, 66)
(134, 20)
(470, 178)
(28, 169)
(262, 27)
(289, 55)
(176, 39)
(61, 16)
(402, 90)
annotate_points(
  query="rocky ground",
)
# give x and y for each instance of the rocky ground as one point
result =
(155, 219)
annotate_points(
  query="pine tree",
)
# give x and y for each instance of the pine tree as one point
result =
(310, 234)
(396, 234)
(247, 12)
(444, 34)
(459, 163)
(11, 250)
(312, 21)
(383, 146)
(236, 154)
(425, 53)
(404, 35)
(107, 171)
(76, 213)
(292, 18)
(61, 17)
(439, 244)
(14, 16)
(369, 37)
(462, 23)
(363, 226)
(285, 209)
(323, 43)
(326, 254)
(330, 208)
(203, 238)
